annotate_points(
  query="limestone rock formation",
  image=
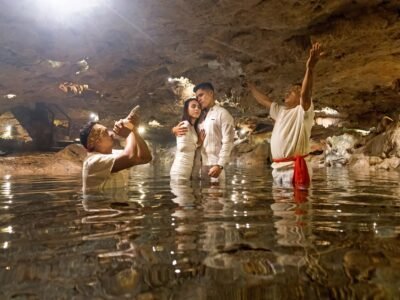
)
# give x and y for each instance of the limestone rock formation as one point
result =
(374, 151)
(65, 162)
(65, 65)
(125, 51)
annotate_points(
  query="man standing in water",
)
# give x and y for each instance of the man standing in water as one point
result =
(105, 168)
(292, 130)
(219, 130)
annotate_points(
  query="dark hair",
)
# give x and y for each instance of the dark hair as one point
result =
(203, 86)
(185, 115)
(84, 133)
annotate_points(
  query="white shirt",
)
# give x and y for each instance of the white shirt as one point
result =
(185, 152)
(291, 133)
(220, 131)
(96, 172)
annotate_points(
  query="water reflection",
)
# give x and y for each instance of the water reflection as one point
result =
(160, 240)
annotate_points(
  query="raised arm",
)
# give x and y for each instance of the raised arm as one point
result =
(136, 151)
(307, 85)
(259, 96)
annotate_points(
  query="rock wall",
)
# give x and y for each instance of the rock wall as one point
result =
(111, 56)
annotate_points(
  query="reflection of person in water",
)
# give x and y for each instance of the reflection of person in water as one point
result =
(290, 210)
(104, 167)
(186, 215)
(218, 233)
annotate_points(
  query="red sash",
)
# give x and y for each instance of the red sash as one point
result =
(300, 175)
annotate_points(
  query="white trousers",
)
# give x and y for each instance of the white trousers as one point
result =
(284, 176)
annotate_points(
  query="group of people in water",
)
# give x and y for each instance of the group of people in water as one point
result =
(205, 138)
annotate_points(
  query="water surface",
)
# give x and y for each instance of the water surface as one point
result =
(246, 240)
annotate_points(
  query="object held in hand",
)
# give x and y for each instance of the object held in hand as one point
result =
(127, 123)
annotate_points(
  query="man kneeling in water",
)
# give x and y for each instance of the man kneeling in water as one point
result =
(293, 122)
(104, 167)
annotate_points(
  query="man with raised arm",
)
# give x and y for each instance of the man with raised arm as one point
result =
(105, 168)
(292, 130)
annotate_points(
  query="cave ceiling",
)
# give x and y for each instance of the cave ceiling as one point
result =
(119, 53)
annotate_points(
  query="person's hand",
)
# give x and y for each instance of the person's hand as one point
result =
(120, 130)
(315, 54)
(180, 129)
(201, 137)
(214, 171)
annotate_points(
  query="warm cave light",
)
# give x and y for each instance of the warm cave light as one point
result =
(7, 132)
(327, 121)
(142, 129)
(327, 111)
(7, 229)
(155, 124)
(170, 79)
(94, 117)
(10, 96)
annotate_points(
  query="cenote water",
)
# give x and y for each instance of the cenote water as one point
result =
(246, 240)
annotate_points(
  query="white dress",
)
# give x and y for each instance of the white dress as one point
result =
(184, 161)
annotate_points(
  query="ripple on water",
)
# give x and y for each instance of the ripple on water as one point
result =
(246, 240)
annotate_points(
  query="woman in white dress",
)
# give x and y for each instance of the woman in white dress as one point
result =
(184, 163)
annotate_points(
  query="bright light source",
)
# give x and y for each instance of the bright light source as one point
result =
(10, 96)
(94, 117)
(7, 229)
(327, 122)
(141, 129)
(327, 111)
(65, 8)
(170, 79)
(154, 123)
(7, 132)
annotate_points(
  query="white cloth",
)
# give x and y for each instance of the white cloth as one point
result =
(186, 145)
(284, 176)
(291, 133)
(96, 172)
(220, 131)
